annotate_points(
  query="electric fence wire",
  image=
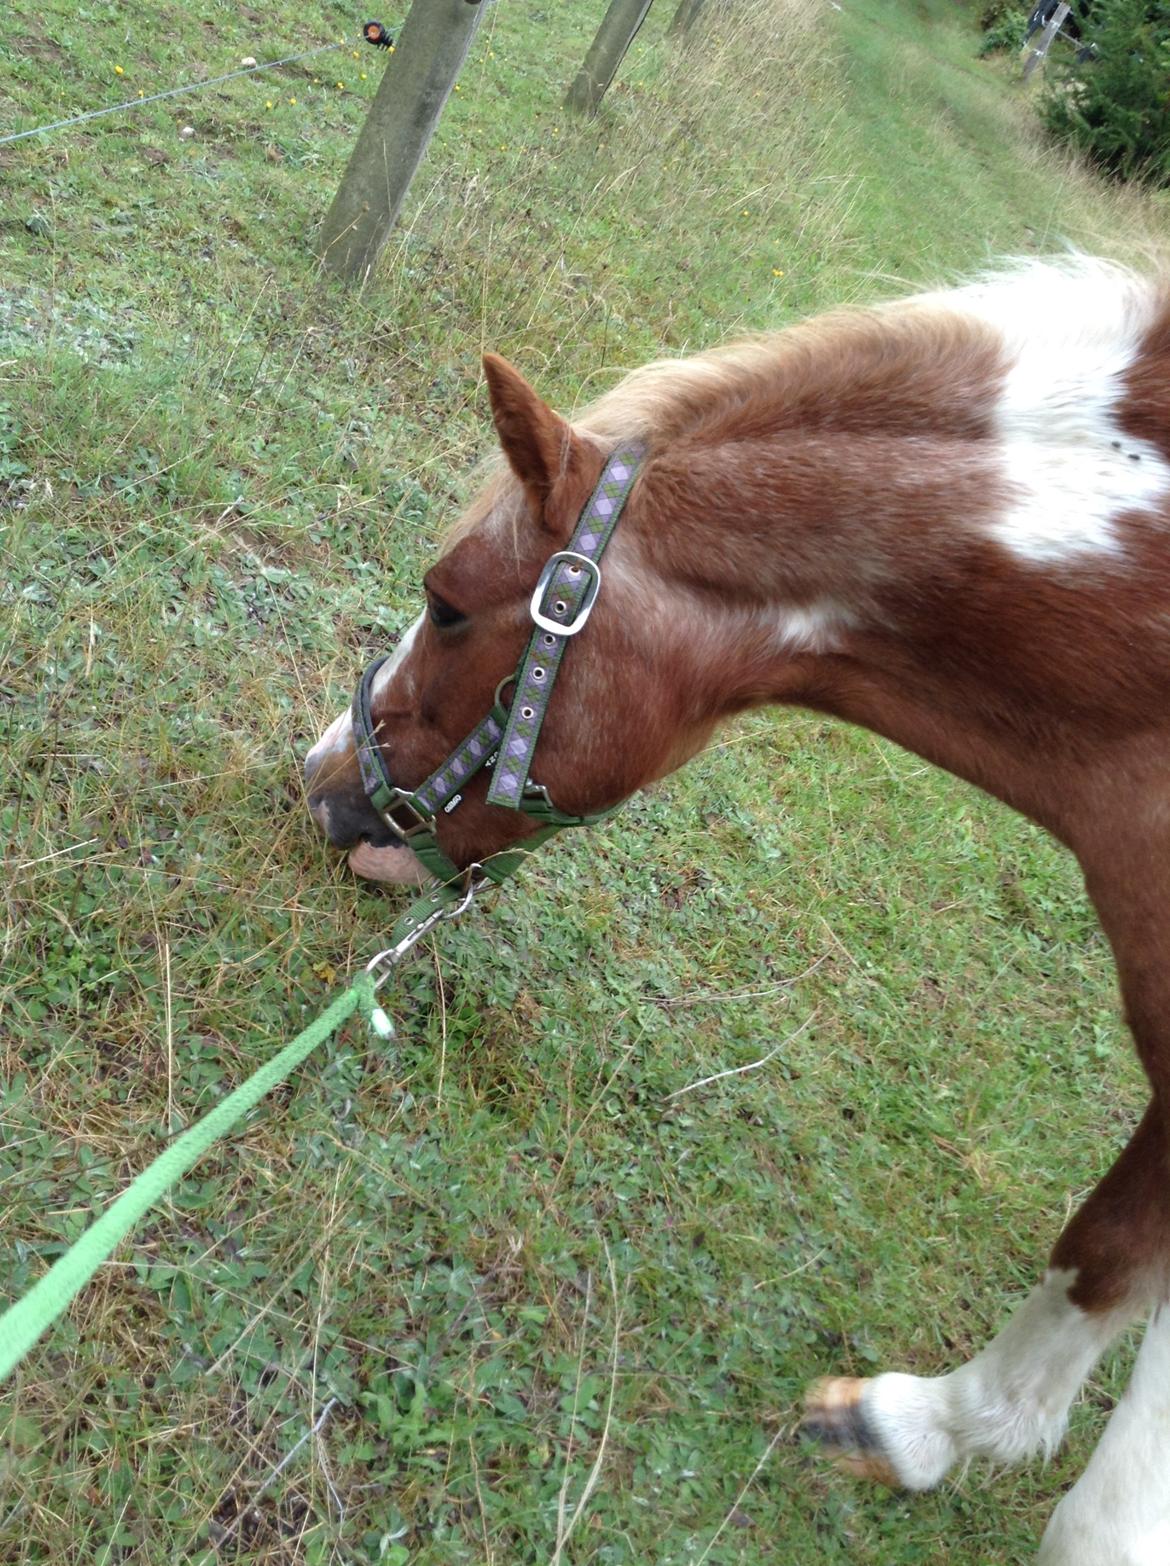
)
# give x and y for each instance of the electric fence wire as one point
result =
(171, 92)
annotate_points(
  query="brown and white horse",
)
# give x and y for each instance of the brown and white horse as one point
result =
(947, 519)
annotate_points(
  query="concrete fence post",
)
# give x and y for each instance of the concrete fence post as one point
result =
(618, 29)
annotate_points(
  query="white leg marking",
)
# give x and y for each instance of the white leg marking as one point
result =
(1011, 1400)
(1118, 1513)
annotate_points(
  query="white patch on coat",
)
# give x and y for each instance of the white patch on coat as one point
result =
(336, 741)
(1011, 1400)
(1118, 1512)
(1069, 494)
(814, 627)
(392, 665)
(1070, 331)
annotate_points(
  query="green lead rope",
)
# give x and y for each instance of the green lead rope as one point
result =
(23, 1323)
(511, 735)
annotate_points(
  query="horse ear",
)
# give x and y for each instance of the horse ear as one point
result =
(537, 442)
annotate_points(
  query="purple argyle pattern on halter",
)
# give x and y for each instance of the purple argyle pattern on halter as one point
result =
(566, 592)
(442, 786)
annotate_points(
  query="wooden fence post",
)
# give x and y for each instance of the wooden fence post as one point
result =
(615, 35)
(419, 76)
(684, 17)
(1052, 27)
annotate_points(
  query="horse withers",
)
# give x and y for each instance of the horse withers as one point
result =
(946, 519)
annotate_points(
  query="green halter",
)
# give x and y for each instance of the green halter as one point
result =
(505, 739)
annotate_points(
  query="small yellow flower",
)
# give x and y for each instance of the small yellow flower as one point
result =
(356, 55)
(746, 213)
(118, 71)
(268, 103)
(293, 102)
(390, 50)
(141, 94)
(341, 86)
(776, 272)
(363, 76)
(456, 86)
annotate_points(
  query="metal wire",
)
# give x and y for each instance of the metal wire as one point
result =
(171, 92)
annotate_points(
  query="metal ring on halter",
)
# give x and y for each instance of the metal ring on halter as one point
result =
(387, 959)
(402, 799)
(572, 580)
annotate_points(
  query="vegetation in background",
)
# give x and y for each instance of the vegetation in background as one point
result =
(1004, 24)
(521, 1242)
(1116, 108)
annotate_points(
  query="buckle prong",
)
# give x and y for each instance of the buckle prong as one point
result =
(585, 608)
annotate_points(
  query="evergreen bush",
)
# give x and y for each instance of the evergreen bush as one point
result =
(1116, 107)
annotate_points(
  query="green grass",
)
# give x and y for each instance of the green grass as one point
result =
(502, 1246)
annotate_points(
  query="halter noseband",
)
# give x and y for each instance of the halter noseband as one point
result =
(505, 739)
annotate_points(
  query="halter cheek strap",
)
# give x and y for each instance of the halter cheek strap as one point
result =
(506, 738)
(561, 604)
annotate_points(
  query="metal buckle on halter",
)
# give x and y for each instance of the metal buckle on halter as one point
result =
(561, 627)
(401, 799)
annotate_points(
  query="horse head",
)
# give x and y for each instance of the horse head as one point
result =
(627, 705)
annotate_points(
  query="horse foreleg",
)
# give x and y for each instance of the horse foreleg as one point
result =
(1012, 1399)
(1118, 1512)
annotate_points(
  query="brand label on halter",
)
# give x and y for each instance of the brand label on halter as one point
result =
(451, 803)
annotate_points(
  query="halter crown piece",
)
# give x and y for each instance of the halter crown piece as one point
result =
(505, 739)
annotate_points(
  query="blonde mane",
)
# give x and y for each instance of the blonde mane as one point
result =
(675, 396)
(659, 401)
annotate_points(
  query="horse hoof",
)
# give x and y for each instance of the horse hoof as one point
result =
(834, 1415)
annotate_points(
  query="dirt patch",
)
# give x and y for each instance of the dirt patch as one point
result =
(41, 48)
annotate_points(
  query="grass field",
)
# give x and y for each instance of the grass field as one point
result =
(562, 1315)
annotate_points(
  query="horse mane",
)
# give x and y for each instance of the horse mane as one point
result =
(856, 367)
(902, 366)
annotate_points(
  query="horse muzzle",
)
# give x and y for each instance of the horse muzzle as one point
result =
(346, 817)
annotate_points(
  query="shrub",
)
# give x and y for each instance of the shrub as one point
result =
(1005, 31)
(1116, 107)
(994, 12)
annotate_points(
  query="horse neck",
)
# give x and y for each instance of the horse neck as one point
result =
(854, 573)
(799, 516)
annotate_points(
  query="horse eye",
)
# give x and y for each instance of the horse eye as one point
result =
(442, 613)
